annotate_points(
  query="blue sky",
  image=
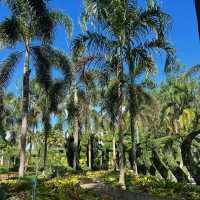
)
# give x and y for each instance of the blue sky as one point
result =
(183, 35)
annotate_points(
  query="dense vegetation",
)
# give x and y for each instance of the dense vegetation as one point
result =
(105, 112)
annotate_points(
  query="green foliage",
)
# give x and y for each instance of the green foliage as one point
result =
(62, 188)
(8, 66)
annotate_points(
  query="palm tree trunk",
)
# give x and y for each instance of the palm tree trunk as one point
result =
(122, 165)
(2, 157)
(114, 150)
(101, 159)
(24, 125)
(187, 157)
(47, 127)
(1, 108)
(45, 150)
(159, 165)
(178, 173)
(134, 144)
(75, 145)
(133, 112)
(77, 133)
(30, 150)
(90, 153)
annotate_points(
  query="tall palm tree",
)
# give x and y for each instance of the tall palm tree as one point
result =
(79, 101)
(47, 104)
(30, 21)
(119, 39)
(138, 100)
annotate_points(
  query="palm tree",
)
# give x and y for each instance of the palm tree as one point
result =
(122, 27)
(78, 100)
(30, 21)
(47, 104)
(139, 53)
(77, 108)
(138, 101)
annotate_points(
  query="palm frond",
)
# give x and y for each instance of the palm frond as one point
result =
(148, 83)
(92, 41)
(143, 62)
(41, 16)
(192, 70)
(62, 19)
(43, 67)
(42, 24)
(138, 98)
(56, 94)
(38, 7)
(43, 28)
(144, 96)
(155, 19)
(59, 60)
(161, 44)
(9, 31)
(7, 68)
(82, 62)
(150, 3)
(54, 58)
(16, 6)
(111, 98)
(36, 12)
(88, 78)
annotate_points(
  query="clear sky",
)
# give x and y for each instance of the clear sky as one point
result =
(183, 35)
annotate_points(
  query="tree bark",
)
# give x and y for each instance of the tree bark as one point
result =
(2, 131)
(159, 164)
(122, 165)
(76, 139)
(114, 163)
(47, 127)
(45, 149)
(2, 158)
(31, 145)
(187, 157)
(24, 125)
(30, 150)
(90, 153)
(77, 134)
(134, 144)
(102, 159)
(179, 174)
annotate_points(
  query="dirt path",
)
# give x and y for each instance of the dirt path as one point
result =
(105, 190)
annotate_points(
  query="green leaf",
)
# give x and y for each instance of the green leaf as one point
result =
(7, 67)
(62, 19)
(9, 31)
